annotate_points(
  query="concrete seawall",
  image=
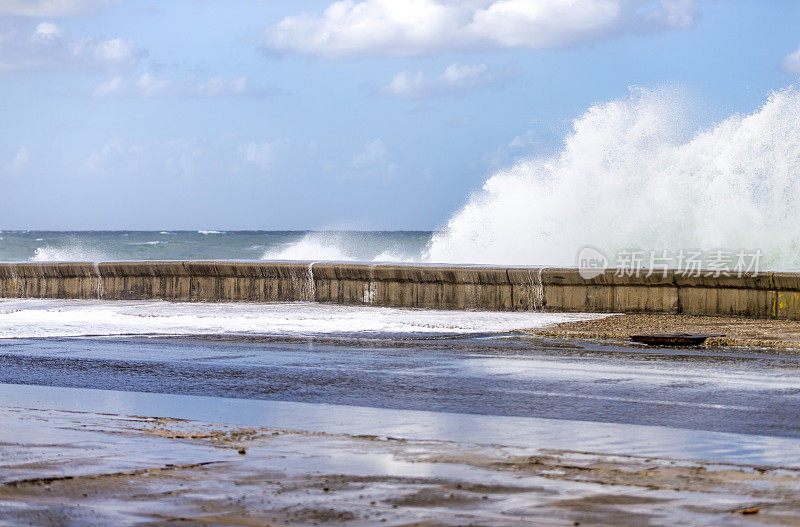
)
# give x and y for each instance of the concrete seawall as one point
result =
(765, 295)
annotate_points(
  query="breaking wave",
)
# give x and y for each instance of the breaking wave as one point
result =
(69, 253)
(309, 247)
(345, 247)
(634, 175)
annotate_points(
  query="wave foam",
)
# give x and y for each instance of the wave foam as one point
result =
(31, 318)
(70, 253)
(344, 246)
(311, 247)
(632, 176)
(389, 256)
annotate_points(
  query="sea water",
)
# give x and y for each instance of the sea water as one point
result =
(94, 246)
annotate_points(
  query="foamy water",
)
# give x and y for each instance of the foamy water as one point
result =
(30, 318)
(70, 252)
(315, 246)
(633, 175)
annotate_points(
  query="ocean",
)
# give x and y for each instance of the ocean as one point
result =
(96, 246)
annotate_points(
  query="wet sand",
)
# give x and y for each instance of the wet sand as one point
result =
(90, 468)
(737, 331)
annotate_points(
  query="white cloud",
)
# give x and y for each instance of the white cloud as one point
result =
(350, 28)
(524, 140)
(456, 78)
(263, 155)
(677, 13)
(113, 149)
(149, 85)
(109, 88)
(791, 63)
(192, 159)
(115, 50)
(374, 153)
(49, 8)
(47, 30)
(22, 157)
(373, 161)
(48, 46)
(459, 121)
(17, 163)
(176, 158)
(220, 87)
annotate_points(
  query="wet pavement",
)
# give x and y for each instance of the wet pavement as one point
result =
(471, 430)
(742, 391)
(88, 468)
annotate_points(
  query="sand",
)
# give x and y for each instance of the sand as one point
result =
(737, 331)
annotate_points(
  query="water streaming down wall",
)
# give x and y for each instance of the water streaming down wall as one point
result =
(536, 289)
(412, 286)
(99, 280)
(16, 284)
(303, 287)
(370, 289)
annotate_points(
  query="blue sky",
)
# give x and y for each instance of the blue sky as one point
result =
(307, 114)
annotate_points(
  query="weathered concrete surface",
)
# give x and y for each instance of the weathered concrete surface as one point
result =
(764, 295)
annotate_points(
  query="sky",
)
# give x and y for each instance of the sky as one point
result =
(353, 114)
